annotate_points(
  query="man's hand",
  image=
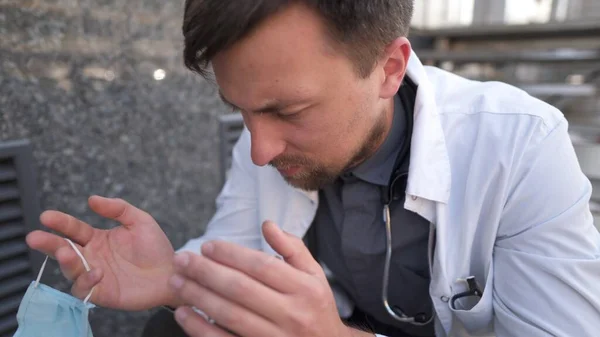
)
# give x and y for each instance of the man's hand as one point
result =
(130, 264)
(250, 293)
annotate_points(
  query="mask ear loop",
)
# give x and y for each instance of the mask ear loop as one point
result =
(85, 264)
(37, 280)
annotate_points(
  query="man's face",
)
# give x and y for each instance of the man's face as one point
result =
(309, 114)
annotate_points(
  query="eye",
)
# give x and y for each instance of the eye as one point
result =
(289, 116)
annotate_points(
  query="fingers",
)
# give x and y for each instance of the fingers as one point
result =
(267, 269)
(225, 313)
(71, 227)
(70, 264)
(57, 248)
(195, 325)
(120, 210)
(45, 242)
(230, 284)
(84, 284)
(291, 248)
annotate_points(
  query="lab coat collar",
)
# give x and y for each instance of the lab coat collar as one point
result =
(429, 174)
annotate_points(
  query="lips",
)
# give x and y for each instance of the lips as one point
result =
(288, 172)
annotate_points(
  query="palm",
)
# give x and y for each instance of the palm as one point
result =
(136, 264)
(135, 258)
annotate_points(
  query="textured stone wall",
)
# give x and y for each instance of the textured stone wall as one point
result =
(77, 78)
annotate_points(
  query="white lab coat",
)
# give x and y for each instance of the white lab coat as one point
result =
(495, 173)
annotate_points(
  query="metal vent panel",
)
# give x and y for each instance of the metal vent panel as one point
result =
(19, 214)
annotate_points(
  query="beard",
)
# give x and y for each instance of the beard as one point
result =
(314, 175)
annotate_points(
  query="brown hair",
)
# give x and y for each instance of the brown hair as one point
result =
(361, 27)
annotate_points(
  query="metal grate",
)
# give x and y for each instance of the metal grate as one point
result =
(230, 129)
(18, 214)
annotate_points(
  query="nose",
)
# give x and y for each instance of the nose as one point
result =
(266, 139)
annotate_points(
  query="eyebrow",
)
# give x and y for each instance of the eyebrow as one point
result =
(271, 107)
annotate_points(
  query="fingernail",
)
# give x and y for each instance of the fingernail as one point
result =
(182, 259)
(208, 248)
(181, 314)
(176, 281)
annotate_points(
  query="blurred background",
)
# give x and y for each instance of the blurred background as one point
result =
(94, 99)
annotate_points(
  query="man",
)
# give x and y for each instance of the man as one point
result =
(441, 206)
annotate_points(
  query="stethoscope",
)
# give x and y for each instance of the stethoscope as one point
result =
(391, 192)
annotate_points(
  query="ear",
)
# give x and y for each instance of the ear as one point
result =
(394, 65)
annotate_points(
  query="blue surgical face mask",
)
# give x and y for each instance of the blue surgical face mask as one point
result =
(47, 312)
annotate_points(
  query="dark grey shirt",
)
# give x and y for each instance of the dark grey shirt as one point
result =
(351, 238)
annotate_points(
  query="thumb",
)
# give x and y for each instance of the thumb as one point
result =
(291, 248)
(119, 210)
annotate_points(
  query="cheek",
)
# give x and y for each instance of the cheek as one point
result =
(355, 120)
(314, 135)
(331, 140)
(332, 131)
(322, 138)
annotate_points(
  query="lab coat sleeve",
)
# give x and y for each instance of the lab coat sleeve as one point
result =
(547, 253)
(236, 218)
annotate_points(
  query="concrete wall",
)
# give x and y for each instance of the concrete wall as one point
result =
(77, 79)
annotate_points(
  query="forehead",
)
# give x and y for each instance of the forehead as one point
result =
(289, 51)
